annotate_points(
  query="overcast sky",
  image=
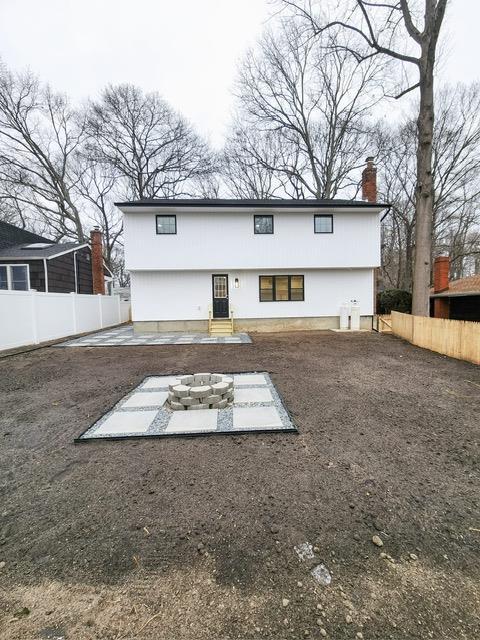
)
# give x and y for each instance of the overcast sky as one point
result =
(188, 50)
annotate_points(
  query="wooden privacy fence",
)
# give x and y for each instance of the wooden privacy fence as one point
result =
(454, 338)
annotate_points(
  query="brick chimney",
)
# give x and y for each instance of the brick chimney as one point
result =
(98, 277)
(441, 274)
(441, 281)
(369, 181)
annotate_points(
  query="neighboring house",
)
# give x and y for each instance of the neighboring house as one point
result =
(30, 261)
(274, 264)
(456, 299)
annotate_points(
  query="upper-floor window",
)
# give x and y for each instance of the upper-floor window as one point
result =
(263, 224)
(166, 224)
(14, 276)
(323, 223)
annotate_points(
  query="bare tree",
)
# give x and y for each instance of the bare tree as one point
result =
(249, 163)
(39, 136)
(456, 171)
(392, 29)
(150, 146)
(96, 185)
(314, 100)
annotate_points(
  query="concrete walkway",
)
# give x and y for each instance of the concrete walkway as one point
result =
(124, 337)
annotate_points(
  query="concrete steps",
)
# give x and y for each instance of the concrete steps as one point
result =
(221, 327)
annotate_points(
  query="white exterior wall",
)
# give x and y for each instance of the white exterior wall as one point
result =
(223, 241)
(180, 295)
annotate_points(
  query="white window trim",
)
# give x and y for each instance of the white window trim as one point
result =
(9, 275)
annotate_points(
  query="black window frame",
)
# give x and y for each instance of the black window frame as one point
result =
(281, 275)
(165, 215)
(322, 215)
(263, 233)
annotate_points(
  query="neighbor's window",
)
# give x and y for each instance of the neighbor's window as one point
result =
(323, 223)
(14, 276)
(281, 288)
(166, 224)
(3, 277)
(263, 224)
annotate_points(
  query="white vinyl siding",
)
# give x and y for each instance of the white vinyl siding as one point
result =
(155, 294)
(224, 241)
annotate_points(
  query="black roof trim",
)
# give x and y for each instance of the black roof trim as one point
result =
(270, 203)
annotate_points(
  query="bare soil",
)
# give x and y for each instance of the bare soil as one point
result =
(193, 539)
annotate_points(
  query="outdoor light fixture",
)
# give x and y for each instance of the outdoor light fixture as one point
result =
(236, 283)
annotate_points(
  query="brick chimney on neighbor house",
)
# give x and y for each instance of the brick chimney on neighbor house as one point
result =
(441, 281)
(369, 181)
(98, 277)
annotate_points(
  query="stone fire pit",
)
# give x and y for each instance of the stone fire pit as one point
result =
(200, 391)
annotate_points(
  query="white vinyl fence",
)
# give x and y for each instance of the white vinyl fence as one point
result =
(30, 317)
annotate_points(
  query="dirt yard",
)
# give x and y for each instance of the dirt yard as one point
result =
(192, 539)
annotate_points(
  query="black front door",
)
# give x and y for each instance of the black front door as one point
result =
(220, 296)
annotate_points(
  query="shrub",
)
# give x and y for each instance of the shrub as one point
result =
(394, 300)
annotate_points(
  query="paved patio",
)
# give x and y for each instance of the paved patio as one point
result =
(257, 407)
(125, 337)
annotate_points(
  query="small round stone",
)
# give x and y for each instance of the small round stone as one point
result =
(377, 541)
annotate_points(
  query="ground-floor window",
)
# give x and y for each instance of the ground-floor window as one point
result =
(14, 276)
(281, 288)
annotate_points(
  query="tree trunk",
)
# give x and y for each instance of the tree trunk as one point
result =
(424, 191)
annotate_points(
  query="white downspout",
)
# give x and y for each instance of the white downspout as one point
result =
(45, 271)
(75, 270)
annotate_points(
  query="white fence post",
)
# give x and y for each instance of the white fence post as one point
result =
(74, 312)
(119, 309)
(33, 308)
(100, 310)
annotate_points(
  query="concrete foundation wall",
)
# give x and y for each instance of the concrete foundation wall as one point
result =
(252, 325)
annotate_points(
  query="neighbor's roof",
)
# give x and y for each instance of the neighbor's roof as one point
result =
(11, 235)
(270, 203)
(26, 252)
(469, 286)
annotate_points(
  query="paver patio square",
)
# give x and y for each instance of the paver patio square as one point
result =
(247, 380)
(256, 394)
(146, 399)
(185, 421)
(123, 422)
(159, 382)
(256, 418)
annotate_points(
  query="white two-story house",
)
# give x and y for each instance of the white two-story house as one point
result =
(273, 264)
